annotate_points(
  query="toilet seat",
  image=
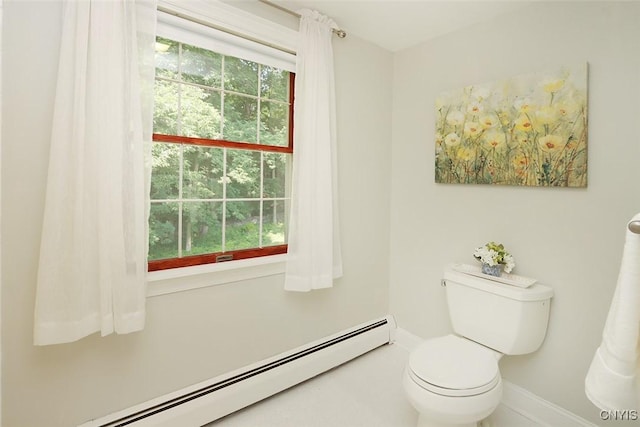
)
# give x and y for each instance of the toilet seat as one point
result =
(454, 366)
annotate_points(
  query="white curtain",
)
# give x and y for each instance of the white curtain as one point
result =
(92, 268)
(1, 287)
(314, 257)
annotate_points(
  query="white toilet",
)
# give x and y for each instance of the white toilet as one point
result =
(454, 380)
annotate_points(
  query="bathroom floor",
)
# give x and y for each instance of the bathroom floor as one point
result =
(365, 392)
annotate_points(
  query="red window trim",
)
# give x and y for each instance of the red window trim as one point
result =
(159, 137)
(211, 258)
(189, 261)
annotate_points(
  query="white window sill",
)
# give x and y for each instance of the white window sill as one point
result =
(200, 276)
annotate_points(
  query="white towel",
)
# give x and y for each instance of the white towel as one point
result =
(613, 380)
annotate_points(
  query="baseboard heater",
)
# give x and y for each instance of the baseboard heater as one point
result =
(210, 400)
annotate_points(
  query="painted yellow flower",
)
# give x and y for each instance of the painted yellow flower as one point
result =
(474, 108)
(572, 143)
(455, 118)
(551, 143)
(547, 115)
(568, 108)
(472, 129)
(524, 105)
(488, 121)
(494, 138)
(552, 85)
(520, 161)
(452, 139)
(524, 123)
(520, 165)
(464, 154)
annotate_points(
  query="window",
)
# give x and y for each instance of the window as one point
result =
(221, 157)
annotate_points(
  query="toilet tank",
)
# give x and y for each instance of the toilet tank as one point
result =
(506, 318)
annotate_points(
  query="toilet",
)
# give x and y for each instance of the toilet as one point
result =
(454, 380)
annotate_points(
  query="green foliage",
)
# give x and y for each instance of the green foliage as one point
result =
(197, 189)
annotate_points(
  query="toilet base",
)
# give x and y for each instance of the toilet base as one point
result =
(423, 422)
(446, 411)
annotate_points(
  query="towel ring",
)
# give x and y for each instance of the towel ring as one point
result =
(634, 226)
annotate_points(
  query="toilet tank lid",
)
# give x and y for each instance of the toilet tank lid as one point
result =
(535, 292)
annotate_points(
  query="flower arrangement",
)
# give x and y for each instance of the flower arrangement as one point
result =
(494, 254)
(527, 130)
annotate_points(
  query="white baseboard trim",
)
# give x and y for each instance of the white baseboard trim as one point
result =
(516, 398)
(209, 400)
(543, 412)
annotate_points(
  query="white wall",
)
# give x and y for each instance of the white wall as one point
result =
(570, 239)
(194, 335)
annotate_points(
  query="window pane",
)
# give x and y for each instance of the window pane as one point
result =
(165, 113)
(165, 171)
(274, 171)
(240, 118)
(242, 227)
(274, 83)
(200, 110)
(207, 197)
(166, 58)
(273, 223)
(163, 230)
(274, 124)
(202, 171)
(243, 174)
(201, 66)
(201, 228)
(240, 75)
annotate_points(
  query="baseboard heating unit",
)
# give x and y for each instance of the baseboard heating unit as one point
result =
(210, 400)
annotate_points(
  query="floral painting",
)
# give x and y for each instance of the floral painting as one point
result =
(529, 130)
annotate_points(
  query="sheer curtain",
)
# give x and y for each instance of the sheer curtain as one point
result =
(314, 257)
(1, 52)
(92, 266)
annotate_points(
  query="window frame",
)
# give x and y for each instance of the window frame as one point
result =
(240, 254)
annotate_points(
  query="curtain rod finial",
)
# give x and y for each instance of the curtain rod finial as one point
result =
(340, 33)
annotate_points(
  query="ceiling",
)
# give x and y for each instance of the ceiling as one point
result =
(398, 24)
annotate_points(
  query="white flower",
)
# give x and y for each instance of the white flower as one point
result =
(493, 254)
(486, 255)
(452, 139)
(474, 108)
(509, 263)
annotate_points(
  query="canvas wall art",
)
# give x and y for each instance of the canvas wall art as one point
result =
(529, 130)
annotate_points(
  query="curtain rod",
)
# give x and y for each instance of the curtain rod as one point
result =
(338, 32)
(188, 17)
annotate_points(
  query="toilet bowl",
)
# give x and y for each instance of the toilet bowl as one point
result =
(454, 380)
